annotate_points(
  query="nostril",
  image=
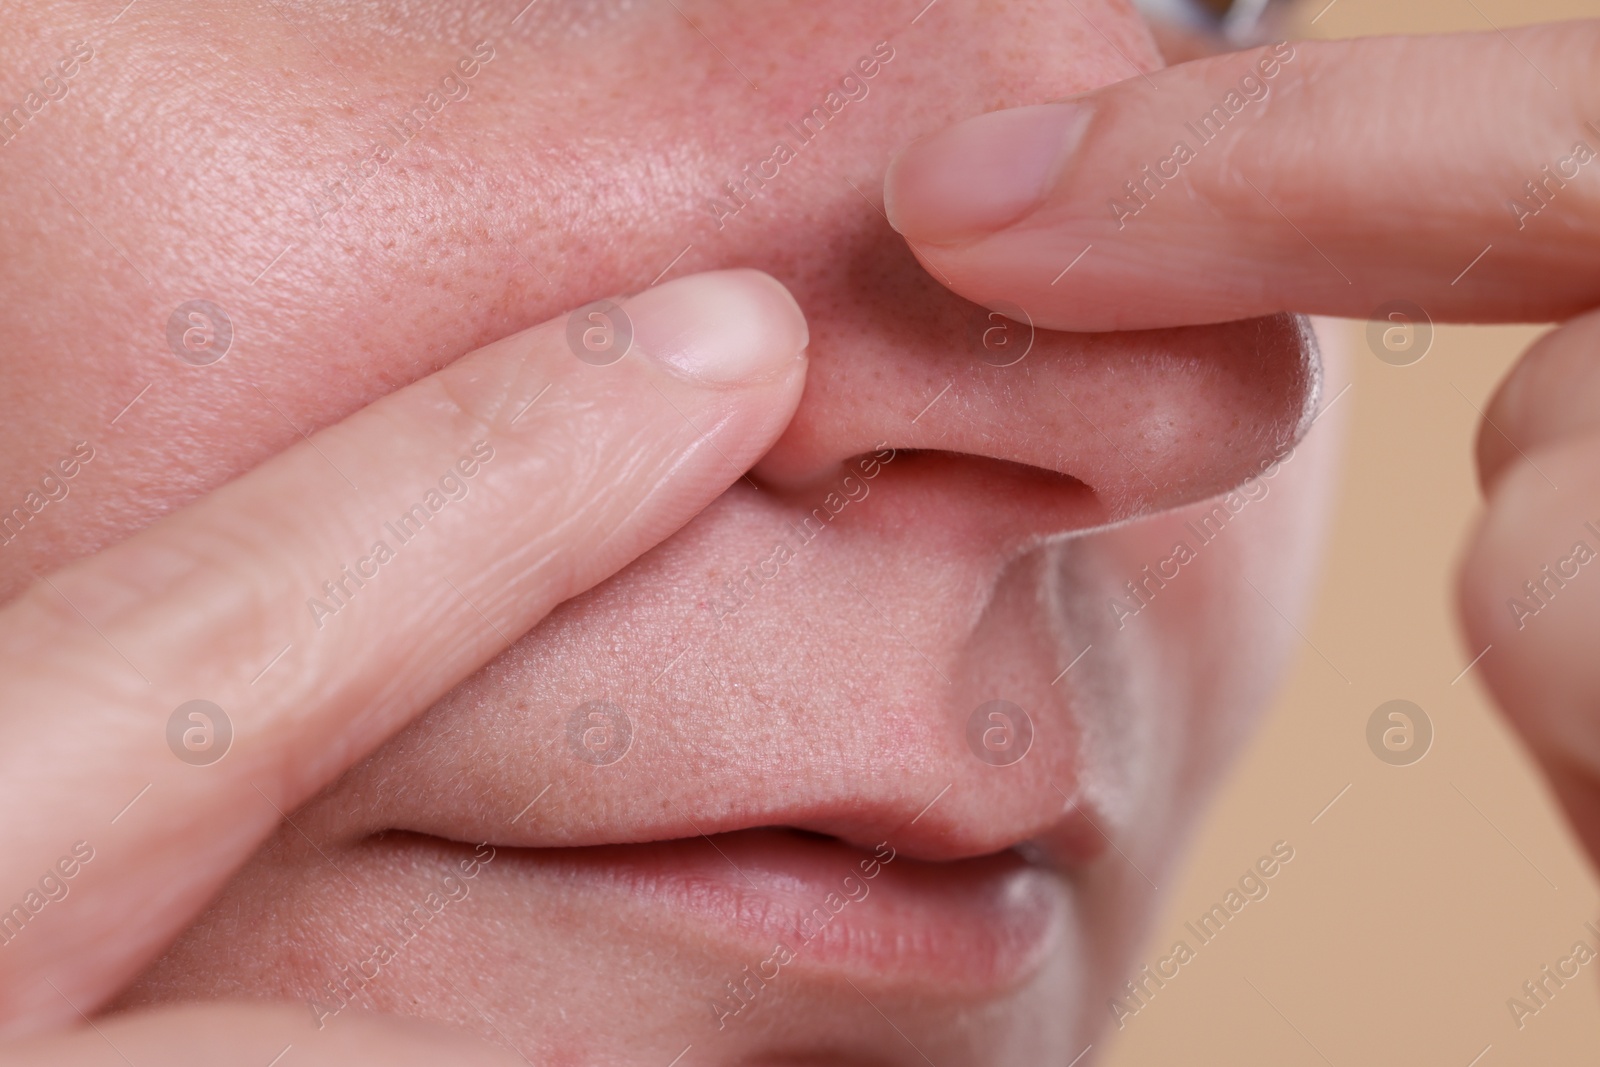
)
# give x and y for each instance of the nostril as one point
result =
(912, 462)
(999, 502)
(806, 835)
(1149, 420)
(816, 480)
(939, 460)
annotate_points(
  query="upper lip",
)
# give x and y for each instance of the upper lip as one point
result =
(750, 730)
(496, 762)
(918, 817)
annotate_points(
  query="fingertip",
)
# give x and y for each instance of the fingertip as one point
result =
(982, 174)
(1528, 602)
(721, 327)
(1551, 395)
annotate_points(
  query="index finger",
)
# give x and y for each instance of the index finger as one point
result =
(1458, 173)
(316, 604)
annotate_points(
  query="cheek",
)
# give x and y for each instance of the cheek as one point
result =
(1202, 613)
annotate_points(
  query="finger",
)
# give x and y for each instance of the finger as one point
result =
(1530, 584)
(1550, 396)
(258, 1034)
(1457, 173)
(333, 593)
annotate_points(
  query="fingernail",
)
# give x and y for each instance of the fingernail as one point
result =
(983, 174)
(722, 326)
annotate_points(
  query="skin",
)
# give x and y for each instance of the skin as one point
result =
(834, 700)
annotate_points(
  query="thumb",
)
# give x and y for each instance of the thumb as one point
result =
(1457, 172)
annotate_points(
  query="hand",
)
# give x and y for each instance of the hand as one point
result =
(1458, 173)
(319, 603)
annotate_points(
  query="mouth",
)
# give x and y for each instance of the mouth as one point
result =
(780, 848)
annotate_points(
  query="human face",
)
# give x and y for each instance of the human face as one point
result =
(816, 845)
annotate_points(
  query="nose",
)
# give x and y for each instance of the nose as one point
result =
(1143, 420)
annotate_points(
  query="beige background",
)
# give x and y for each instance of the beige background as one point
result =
(1425, 897)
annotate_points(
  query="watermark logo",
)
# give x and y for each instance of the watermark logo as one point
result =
(1252, 887)
(1400, 333)
(393, 936)
(1001, 336)
(599, 732)
(747, 987)
(853, 488)
(740, 192)
(398, 130)
(1538, 194)
(1540, 590)
(199, 332)
(199, 733)
(453, 486)
(1399, 733)
(599, 333)
(52, 487)
(999, 733)
(52, 887)
(52, 86)
(1538, 991)
(1253, 88)
(1204, 528)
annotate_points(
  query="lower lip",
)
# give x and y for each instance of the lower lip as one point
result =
(788, 901)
